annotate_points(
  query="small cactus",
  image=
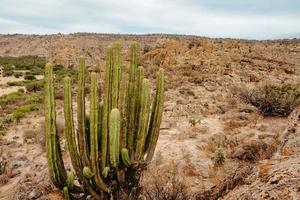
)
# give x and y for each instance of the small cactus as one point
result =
(114, 142)
(2, 164)
(219, 157)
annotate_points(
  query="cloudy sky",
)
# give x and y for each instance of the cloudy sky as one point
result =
(252, 19)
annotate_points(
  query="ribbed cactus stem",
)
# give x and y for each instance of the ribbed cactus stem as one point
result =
(66, 193)
(94, 143)
(70, 180)
(114, 137)
(131, 99)
(123, 107)
(82, 136)
(125, 157)
(138, 87)
(122, 124)
(143, 119)
(69, 128)
(55, 162)
(50, 126)
(87, 173)
(94, 123)
(115, 76)
(156, 117)
(106, 107)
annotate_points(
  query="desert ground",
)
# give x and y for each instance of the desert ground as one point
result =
(215, 142)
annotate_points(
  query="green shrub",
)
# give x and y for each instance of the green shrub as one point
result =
(21, 90)
(15, 83)
(18, 74)
(18, 115)
(61, 72)
(273, 99)
(8, 70)
(29, 77)
(23, 62)
(11, 98)
(21, 111)
(35, 70)
(34, 99)
(34, 86)
(218, 157)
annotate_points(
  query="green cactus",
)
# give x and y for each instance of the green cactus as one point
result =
(113, 143)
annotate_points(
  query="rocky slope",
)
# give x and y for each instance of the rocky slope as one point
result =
(202, 111)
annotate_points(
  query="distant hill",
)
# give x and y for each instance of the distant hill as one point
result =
(288, 36)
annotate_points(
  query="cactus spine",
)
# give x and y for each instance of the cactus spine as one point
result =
(115, 140)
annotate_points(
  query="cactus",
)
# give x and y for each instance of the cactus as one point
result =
(111, 145)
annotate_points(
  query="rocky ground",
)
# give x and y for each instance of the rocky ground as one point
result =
(204, 116)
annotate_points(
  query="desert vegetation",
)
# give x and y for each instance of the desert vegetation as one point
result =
(229, 128)
(110, 167)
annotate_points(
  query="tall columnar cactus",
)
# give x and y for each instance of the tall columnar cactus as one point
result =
(112, 144)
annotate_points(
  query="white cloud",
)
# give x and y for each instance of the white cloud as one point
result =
(136, 16)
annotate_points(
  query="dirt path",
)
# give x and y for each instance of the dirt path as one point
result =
(26, 159)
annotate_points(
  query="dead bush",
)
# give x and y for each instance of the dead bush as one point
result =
(165, 184)
(272, 99)
(3, 179)
(254, 150)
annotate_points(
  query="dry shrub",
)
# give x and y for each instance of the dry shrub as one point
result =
(216, 175)
(264, 168)
(254, 150)
(273, 99)
(219, 157)
(214, 142)
(3, 179)
(165, 184)
(189, 169)
(29, 135)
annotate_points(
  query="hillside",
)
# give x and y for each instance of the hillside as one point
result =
(206, 114)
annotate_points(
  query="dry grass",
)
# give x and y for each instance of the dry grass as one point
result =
(216, 175)
(264, 168)
(165, 184)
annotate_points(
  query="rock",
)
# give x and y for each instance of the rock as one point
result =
(33, 195)
(210, 87)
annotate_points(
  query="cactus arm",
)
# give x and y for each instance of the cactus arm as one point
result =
(82, 137)
(105, 172)
(156, 117)
(66, 193)
(114, 136)
(49, 124)
(123, 107)
(94, 124)
(106, 108)
(56, 166)
(143, 119)
(100, 111)
(115, 76)
(125, 157)
(69, 128)
(94, 119)
(138, 87)
(70, 180)
(131, 99)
